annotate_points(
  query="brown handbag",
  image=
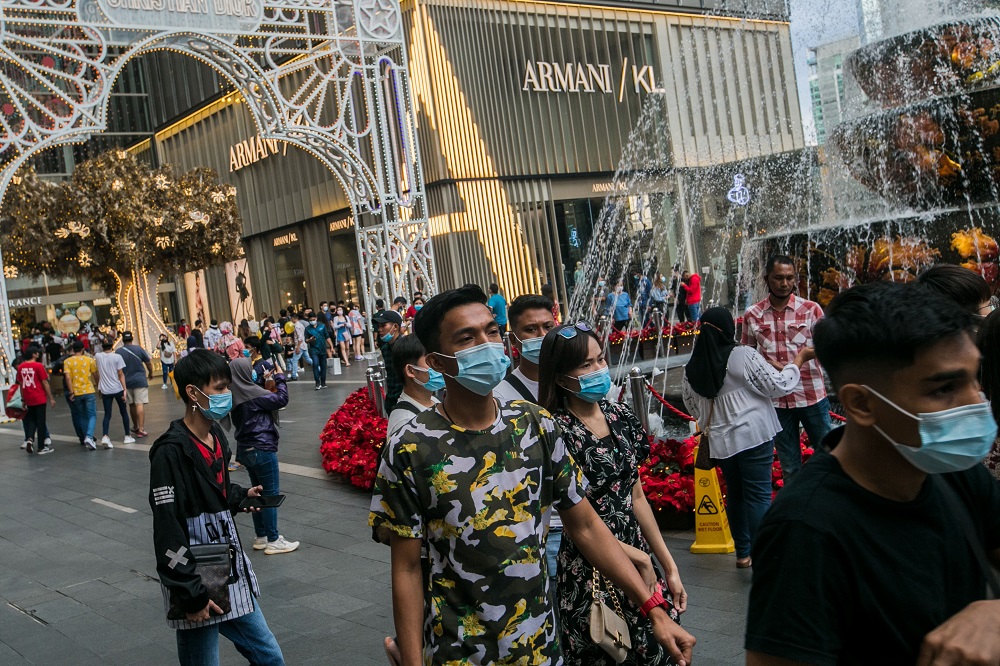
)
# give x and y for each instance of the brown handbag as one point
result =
(608, 627)
(704, 459)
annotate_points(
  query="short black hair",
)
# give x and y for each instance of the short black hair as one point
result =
(379, 304)
(776, 259)
(77, 347)
(283, 312)
(107, 344)
(399, 299)
(32, 350)
(494, 288)
(522, 304)
(965, 287)
(199, 369)
(875, 329)
(252, 341)
(214, 322)
(427, 323)
(406, 350)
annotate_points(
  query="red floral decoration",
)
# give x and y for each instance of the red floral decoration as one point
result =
(352, 440)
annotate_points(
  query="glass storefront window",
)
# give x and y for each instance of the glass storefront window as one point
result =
(344, 259)
(289, 270)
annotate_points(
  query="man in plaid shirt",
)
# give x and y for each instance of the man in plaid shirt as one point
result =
(778, 327)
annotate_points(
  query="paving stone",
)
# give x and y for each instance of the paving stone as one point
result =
(75, 562)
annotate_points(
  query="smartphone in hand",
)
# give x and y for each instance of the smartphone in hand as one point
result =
(262, 502)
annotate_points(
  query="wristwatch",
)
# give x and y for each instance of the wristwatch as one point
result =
(651, 603)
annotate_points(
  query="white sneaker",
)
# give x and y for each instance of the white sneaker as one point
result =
(47, 441)
(129, 439)
(24, 444)
(42, 450)
(28, 446)
(164, 387)
(106, 442)
(280, 545)
(90, 443)
(260, 543)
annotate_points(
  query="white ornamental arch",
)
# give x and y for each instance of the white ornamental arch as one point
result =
(288, 58)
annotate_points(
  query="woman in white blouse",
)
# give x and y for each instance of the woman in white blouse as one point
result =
(743, 422)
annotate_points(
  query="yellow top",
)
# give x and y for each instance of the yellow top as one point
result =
(79, 371)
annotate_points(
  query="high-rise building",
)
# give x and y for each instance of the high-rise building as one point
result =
(826, 84)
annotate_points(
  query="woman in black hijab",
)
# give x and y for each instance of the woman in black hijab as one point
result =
(729, 389)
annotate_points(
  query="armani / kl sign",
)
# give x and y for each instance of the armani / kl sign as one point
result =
(540, 76)
(253, 150)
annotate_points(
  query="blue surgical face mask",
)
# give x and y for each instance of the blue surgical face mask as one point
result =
(951, 440)
(531, 349)
(246, 352)
(417, 307)
(594, 385)
(219, 404)
(480, 368)
(387, 337)
(435, 380)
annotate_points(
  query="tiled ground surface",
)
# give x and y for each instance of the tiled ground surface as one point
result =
(77, 577)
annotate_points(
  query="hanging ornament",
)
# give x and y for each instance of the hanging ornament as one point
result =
(117, 185)
(164, 242)
(114, 311)
(78, 228)
(61, 232)
(218, 197)
(161, 181)
(10, 272)
(231, 192)
(216, 248)
(158, 221)
(84, 259)
(188, 192)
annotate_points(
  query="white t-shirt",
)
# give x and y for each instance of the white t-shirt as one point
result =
(300, 335)
(167, 353)
(108, 365)
(399, 417)
(507, 392)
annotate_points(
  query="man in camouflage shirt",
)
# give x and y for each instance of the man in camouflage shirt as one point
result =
(477, 482)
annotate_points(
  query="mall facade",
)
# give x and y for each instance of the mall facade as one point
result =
(524, 110)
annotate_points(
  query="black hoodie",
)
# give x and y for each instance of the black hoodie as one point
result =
(190, 508)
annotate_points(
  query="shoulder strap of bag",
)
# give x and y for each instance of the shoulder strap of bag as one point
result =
(958, 509)
(519, 386)
(134, 355)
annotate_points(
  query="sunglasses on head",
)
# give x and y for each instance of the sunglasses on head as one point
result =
(570, 332)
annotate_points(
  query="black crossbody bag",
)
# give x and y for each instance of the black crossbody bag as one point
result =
(216, 564)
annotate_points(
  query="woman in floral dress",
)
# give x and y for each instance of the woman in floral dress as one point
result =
(608, 442)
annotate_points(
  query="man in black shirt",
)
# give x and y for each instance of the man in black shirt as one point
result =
(876, 553)
(390, 324)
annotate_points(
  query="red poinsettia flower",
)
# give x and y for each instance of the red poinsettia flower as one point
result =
(352, 440)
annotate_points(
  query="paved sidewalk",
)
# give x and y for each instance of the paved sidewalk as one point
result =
(78, 581)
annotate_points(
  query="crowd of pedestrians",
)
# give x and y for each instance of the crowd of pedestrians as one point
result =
(508, 489)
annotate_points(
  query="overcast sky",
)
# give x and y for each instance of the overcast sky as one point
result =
(817, 22)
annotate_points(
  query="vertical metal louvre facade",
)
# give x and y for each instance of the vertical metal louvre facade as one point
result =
(496, 134)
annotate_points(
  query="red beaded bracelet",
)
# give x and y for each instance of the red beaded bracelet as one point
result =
(654, 601)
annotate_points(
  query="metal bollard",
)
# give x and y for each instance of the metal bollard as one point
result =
(379, 390)
(370, 379)
(637, 385)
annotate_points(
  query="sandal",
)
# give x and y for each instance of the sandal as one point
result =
(743, 563)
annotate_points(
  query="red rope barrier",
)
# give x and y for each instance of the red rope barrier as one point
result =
(837, 417)
(663, 401)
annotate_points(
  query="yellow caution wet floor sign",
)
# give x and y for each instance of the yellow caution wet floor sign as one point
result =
(711, 525)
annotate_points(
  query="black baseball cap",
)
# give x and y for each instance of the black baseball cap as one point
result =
(388, 317)
(126, 336)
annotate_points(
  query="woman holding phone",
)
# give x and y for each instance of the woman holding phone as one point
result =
(254, 418)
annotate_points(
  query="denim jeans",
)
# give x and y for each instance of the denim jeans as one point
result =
(748, 491)
(319, 367)
(816, 421)
(293, 365)
(250, 634)
(73, 407)
(84, 408)
(262, 466)
(694, 311)
(108, 401)
(167, 369)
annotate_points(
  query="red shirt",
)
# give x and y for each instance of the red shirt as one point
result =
(30, 376)
(693, 289)
(211, 457)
